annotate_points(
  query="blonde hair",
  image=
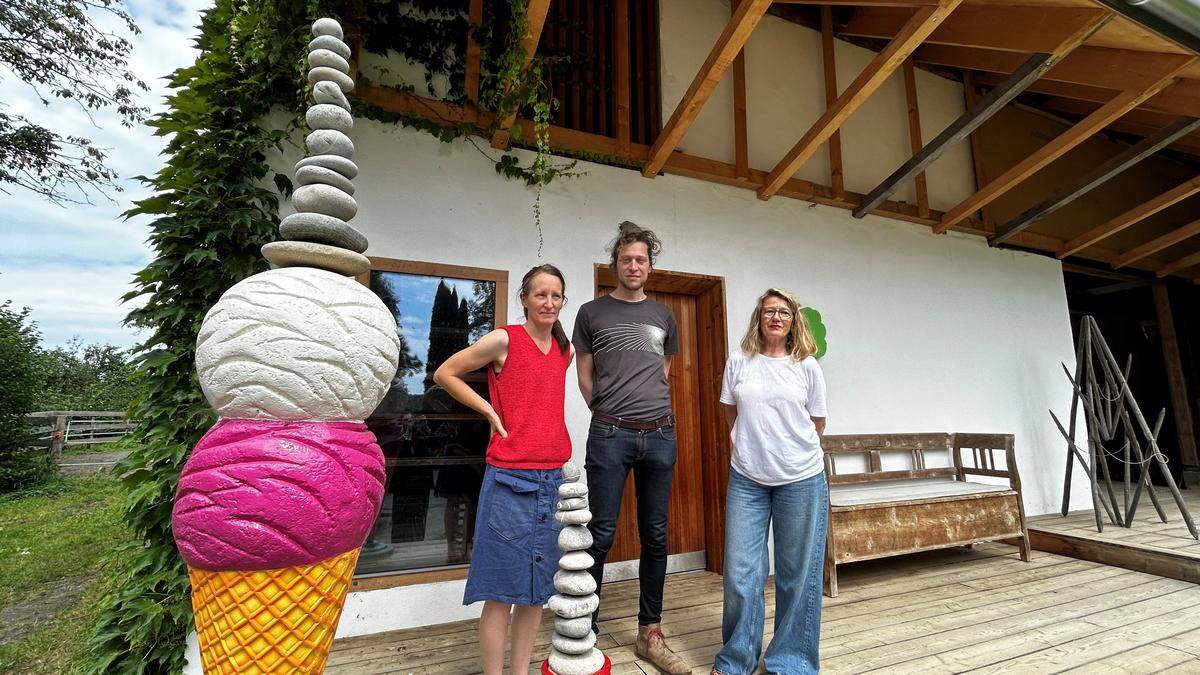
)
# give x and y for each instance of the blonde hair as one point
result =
(800, 341)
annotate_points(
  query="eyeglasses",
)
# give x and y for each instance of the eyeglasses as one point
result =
(781, 313)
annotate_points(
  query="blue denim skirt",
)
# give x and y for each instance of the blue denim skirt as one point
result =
(516, 537)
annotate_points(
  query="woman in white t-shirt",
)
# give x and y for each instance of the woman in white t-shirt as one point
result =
(774, 400)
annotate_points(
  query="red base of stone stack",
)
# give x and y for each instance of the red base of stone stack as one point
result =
(606, 670)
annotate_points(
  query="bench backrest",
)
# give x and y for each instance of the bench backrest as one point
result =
(871, 447)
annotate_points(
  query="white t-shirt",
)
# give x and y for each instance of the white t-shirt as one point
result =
(775, 441)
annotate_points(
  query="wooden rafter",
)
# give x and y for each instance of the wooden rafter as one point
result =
(914, 132)
(535, 16)
(741, 144)
(1181, 98)
(1095, 66)
(1101, 174)
(1081, 131)
(1179, 264)
(970, 120)
(1157, 244)
(971, 99)
(923, 22)
(862, 3)
(1004, 27)
(829, 66)
(1135, 122)
(1131, 217)
(741, 24)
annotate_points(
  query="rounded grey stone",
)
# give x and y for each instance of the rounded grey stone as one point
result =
(327, 26)
(568, 582)
(574, 538)
(571, 472)
(572, 504)
(576, 664)
(576, 517)
(339, 164)
(328, 92)
(575, 628)
(326, 58)
(570, 607)
(308, 254)
(325, 74)
(569, 645)
(576, 560)
(331, 43)
(330, 142)
(308, 175)
(322, 229)
(568, 490)
(317, 198)
(329, 116)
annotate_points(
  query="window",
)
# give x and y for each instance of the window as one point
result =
(434, 447)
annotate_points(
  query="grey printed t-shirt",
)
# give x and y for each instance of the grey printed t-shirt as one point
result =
(627, 341)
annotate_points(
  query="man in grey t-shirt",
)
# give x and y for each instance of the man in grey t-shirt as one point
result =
(623, 343)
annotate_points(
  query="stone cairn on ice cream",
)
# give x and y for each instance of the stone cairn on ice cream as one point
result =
(276, 500)
(573, 644)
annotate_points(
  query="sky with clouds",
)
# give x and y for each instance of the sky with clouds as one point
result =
(71, 264)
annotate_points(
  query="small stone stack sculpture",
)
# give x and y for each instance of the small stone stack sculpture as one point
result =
(276, 499)
(318, 234)
(573, 644)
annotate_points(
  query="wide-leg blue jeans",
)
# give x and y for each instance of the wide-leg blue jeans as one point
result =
(799, 512)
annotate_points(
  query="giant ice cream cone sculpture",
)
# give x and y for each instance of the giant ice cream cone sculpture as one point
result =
(276, 500)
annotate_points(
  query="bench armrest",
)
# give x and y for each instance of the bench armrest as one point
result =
(984, 448)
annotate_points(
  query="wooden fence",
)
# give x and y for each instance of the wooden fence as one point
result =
(58, 429)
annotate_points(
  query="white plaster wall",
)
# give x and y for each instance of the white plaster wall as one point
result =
(926, 332)
(785, 94)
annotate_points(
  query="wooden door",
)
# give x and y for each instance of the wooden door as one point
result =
(686, 516)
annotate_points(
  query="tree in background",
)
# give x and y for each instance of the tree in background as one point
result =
(22, 464)
(60, 49)
(86, 377)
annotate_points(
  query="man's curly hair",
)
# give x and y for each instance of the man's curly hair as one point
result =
(632, 233)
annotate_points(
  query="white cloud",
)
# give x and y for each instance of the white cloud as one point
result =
(71, 265)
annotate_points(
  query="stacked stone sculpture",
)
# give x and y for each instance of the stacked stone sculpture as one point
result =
(276, 500)
(573, 644)
(319, 234)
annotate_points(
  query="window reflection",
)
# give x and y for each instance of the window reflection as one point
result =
(433, 445)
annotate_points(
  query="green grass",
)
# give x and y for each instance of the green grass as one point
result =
(49, 536)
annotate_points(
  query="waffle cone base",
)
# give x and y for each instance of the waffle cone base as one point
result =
(270, 621)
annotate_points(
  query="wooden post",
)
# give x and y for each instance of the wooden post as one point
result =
(914, 133)
(1174, 367)
(58, 437)
(829, 62)
(981, 179)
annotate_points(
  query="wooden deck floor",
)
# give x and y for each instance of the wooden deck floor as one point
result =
(1150, 545)
(939, 612)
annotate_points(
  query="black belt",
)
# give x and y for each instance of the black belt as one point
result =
(667, 420)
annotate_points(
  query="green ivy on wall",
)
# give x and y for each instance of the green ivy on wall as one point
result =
(817, 325)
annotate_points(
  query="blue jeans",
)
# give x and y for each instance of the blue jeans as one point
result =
(799, 512)
(611, 453)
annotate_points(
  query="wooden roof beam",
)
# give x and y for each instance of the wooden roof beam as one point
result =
(1010, 28)
(1131, 217)
(1106, 114)
(535, 17)
(1115, 69)
(1178, 264)
(1181, 98)
(1097, 176)
(922, 22)
(1155, 245)
(741, 24)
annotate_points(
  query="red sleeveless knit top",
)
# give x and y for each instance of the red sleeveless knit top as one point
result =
(528, 395)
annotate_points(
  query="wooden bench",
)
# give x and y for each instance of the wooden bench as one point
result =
(875, 513)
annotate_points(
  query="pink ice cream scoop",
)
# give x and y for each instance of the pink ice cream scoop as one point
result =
(265, 494)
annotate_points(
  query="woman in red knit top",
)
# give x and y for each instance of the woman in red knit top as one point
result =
(515, 552)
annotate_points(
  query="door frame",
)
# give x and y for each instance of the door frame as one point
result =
(712, 346)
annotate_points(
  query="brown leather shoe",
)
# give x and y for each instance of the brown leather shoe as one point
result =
(652, 646)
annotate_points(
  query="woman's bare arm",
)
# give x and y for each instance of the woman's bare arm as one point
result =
(489, 349)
